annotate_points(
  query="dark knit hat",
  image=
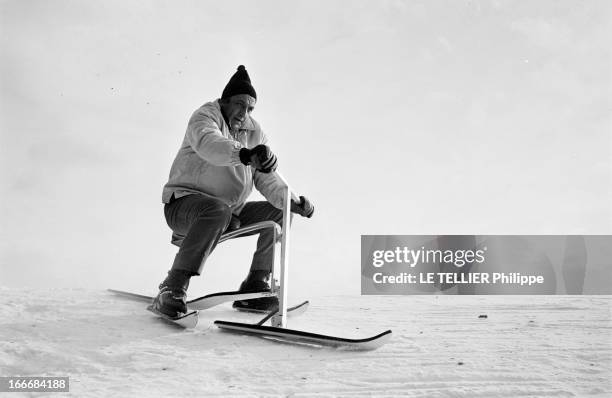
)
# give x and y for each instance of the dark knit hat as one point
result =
(240, 83)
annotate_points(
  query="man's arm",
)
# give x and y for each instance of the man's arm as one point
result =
(206, 139)
(271, 188)
(269, 185)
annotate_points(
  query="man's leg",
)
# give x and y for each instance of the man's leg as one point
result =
(263, 258)
(254, 212)
(202, 220)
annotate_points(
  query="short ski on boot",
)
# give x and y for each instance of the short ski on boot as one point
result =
(295, 310)
(204, 302)
(187, 321)
(214, 299)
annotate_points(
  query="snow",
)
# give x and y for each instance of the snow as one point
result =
(558, 346)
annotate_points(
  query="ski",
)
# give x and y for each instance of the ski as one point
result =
(214, 299)
(187, 321)
(298, 336)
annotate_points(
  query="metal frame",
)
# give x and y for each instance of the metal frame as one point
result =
(177, 240)
(250, 228)
(280, 318)
(256, 227)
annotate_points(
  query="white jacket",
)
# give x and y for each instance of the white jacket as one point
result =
(208, 162)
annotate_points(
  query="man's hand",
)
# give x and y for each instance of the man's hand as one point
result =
(260, 157)
(304, 208)
(263, 159)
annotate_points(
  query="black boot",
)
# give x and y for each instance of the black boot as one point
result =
(172, 297)
(256, 281)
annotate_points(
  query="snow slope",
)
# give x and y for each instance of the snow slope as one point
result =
(558, 346)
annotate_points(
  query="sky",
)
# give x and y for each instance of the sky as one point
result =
(393, 117)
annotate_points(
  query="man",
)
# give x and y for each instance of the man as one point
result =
(224, 153)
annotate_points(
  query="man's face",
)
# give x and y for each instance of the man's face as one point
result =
(237, 108)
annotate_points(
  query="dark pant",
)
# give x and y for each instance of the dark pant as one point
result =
(203, 219)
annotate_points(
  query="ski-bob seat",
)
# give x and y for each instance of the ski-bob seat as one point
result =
(177, 239)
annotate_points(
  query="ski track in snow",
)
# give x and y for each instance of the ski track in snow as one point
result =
(528, 346)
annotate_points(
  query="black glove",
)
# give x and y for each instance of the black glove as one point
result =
(260, 157)
(304, 208)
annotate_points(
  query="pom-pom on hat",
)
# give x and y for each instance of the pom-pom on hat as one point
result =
(240, 83)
